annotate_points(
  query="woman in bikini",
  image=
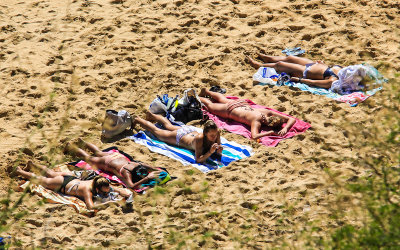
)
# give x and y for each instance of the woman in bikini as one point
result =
(68, 184)
(203, 144)
(303, 70)
(131, 173)
(241, 111)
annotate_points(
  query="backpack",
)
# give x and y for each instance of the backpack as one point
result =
(186, 114)
(189, 107)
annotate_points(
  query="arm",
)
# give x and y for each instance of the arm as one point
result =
(317, 83)
(255, 131)
(88, 199)
(290, 121)
(152, 175)
(149, 166)
(200, 158)
(220, 148)
(123, 192)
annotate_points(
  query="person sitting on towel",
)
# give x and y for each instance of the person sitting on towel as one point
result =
(241, 111)
(203, 144)
(133, 174)
(303, 70)
(66, 183)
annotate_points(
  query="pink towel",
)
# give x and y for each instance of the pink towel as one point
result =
(242, 129)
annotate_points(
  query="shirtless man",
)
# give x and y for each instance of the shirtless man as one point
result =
(68, 184)
(132, 174)
(204, 144)
(303, 70)
(240, 111)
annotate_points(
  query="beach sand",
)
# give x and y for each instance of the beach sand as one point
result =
(63, 63)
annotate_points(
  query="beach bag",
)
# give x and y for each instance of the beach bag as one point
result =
(189, 98)
(115, 123)
(163, 104)
(189, 107)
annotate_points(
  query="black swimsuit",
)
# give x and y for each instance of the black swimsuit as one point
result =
(67, 179)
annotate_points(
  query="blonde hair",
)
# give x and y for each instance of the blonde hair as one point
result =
(98, 183)
(274, 121)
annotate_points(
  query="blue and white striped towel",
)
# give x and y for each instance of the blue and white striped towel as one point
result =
(232, 152)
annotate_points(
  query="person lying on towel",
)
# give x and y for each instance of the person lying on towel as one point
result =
(303, 70)
(241, 111)
(203, 144)
(66, 183)
(132, 174)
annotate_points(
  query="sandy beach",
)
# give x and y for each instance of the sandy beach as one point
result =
(64, 63)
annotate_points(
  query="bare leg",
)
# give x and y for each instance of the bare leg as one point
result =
(164, 135)
(47, 171)
(289, 68)
(51, 183)
(289, 59)
(161, 119)
(219, 109)
(92, 148)
(218, 97)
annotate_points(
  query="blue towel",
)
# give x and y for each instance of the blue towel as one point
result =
(232, 152)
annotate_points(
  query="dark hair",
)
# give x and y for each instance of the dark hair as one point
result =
(98, 183)
(208, 126)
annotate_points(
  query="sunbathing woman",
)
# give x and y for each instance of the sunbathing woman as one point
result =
(68, 184)
(303, 70)
(204, 144)
(132, 174)
(240, 111)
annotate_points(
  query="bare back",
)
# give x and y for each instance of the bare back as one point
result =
(79, 188)
(188, 141)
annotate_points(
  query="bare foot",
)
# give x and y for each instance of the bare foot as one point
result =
(263, 57)
(253, 62)
(69, 147)
(203, 92)
(14, 171)
(150, 116)
(80, 141)
(133, 119)
(29, 165)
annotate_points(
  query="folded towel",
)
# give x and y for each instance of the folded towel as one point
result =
(242, 129)
(232, 151)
